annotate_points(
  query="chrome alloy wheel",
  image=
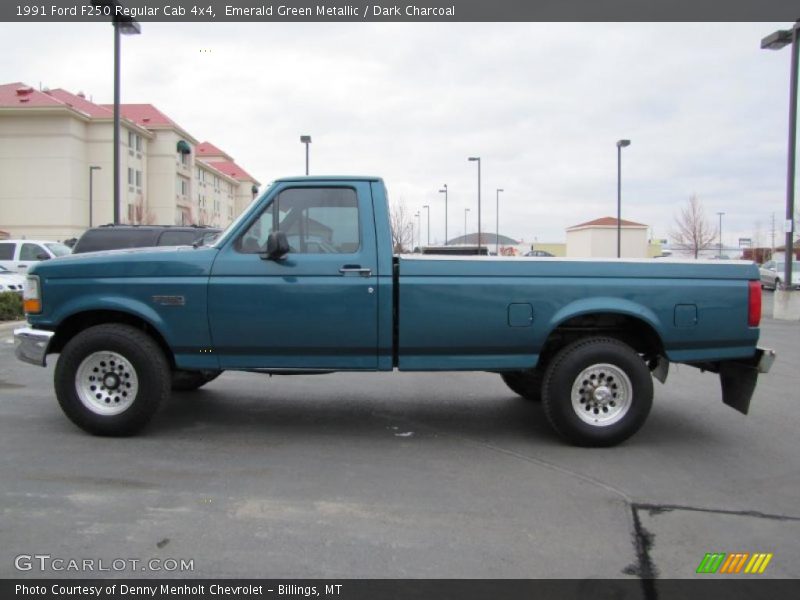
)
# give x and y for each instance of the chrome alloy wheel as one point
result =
(106, 383)
(601, 395)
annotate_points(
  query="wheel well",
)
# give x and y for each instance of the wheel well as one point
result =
(74, 324)
(632, 331)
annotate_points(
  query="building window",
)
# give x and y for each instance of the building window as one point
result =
(130, 176)
(138, 179)
(138, 143)
(131, 137)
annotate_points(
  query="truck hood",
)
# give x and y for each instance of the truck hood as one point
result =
(168, 261)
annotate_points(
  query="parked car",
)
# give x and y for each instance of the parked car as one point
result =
(543, 253)
(11, 281)
(115, 237)
(772, 274)
(19, 255)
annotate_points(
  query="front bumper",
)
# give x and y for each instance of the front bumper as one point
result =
(32, 344)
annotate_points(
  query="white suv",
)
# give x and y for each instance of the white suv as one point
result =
(19, 255)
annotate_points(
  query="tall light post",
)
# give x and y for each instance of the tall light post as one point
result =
(444, 191)
(720, 214)
(478, 160)
(123, 25)
(428, 209)
(419, 226)
(306, 139)
(497, 235)
(776, 41)
(92, 169)
(466, 210)
(620, 145)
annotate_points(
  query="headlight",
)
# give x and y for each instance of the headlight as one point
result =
(32, 295)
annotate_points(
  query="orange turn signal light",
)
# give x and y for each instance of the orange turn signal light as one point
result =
(32, 305)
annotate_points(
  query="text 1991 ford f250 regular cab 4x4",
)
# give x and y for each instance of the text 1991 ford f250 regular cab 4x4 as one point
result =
(304, 281)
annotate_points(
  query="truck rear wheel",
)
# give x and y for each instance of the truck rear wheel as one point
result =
(597, 392)
(188, 381)
(527, 384)
(110, 379)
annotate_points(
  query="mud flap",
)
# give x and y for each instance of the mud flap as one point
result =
(738, 384)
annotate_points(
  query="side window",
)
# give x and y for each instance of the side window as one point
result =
(31, 252)
(315, 221)
(7, 251)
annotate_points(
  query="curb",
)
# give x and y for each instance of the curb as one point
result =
(9, 326)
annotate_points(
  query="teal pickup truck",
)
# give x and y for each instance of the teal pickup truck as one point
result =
(305, 281)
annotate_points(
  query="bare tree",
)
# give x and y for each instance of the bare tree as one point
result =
(692, 230)
(402, 227)
(142, 215)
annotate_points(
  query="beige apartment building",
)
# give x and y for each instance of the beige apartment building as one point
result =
(49, 139)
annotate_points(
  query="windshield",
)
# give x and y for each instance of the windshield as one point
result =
(225, 232)
(58, 249)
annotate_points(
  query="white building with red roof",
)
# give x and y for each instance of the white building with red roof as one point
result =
(51, 138)
(598, 238)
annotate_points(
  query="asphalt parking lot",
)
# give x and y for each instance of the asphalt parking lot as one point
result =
(402, 475)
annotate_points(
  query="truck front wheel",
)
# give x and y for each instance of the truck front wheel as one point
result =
(110, 379)
(597, 392)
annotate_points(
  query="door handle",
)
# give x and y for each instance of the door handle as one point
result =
(363, 271)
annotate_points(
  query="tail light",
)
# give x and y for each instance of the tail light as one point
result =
(754, 304)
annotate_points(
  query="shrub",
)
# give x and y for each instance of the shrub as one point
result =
(11, 306)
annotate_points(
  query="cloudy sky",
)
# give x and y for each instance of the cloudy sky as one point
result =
(541, 104)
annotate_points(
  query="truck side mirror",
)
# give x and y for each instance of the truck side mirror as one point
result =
(277, 246)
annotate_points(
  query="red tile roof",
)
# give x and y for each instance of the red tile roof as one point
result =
(145, 115)
(608, 222)
(19, 94)
(80, 103)
(210, 150)
(231, 169)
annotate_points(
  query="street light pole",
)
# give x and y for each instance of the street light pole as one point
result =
(497, 235)
(419, 226)
(620, 145)
(478, 160)
(466, 210)
(92, 169)
(720, 233)
(306, 139)
(124, 25)
(444, 191)
(428, 209)
(776, 41)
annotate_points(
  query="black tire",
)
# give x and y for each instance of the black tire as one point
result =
(600, 414)
(123, 359)
(527, 384)
(187, 381)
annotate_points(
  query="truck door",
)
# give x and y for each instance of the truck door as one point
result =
(316, 308)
